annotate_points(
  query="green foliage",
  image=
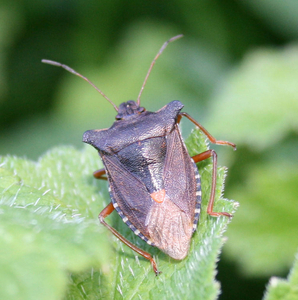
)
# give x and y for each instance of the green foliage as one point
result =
(258, 109)
(51, 240)
(259, 99)
(269, 192)
(281, 16)
(46, 224)
(284, 289)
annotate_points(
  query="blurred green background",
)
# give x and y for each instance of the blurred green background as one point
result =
(236, 71)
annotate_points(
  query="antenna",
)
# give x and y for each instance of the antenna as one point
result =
(67, 68)
(154, 60)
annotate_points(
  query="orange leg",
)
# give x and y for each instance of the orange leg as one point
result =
(99, 174)
(209, 136)
(203, 156)
(107, 211)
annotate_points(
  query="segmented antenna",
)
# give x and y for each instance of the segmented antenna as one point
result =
(153, 62)
(67, 68)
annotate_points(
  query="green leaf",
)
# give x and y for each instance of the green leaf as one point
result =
(51, 240)
(284, 289)
(45, 224)
(258, 105)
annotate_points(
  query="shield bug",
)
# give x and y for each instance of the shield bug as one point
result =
(154, 184)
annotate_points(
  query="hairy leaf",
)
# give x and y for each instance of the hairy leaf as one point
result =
(284, 289)
(51, 240)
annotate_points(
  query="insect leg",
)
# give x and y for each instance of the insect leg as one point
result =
(99, 174)
(203, 156)
(209, 136)
(107, 211)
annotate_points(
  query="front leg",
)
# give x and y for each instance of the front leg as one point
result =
(99, 174)
(209, 136)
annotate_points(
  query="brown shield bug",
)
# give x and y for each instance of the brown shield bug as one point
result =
(154, 184)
